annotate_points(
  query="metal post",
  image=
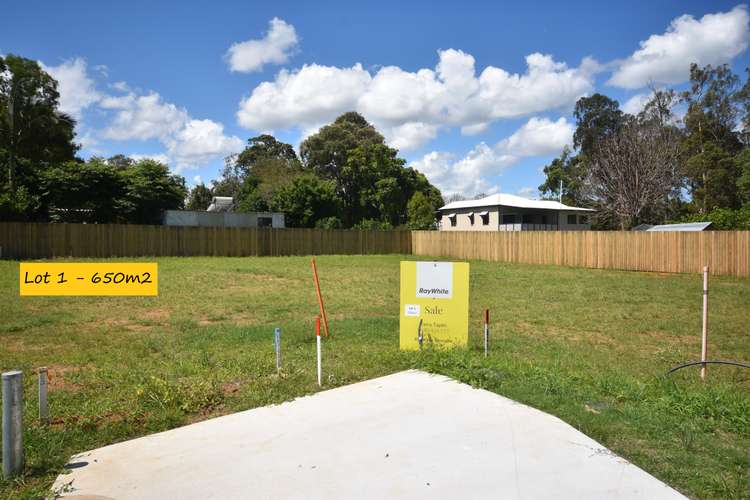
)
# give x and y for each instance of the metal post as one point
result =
(320, 361)
(420, 335)
(704, 343)
(43, 412)
(277, 345)
(12, 423)
(486, 331)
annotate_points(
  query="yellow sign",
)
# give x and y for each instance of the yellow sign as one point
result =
(95, 278)
(437, 294)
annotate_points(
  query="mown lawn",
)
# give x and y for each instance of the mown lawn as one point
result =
(588, 346)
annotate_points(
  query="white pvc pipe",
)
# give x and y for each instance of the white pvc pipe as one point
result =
(43, 412)
(704, 342)
(320, 366)
(277, 346)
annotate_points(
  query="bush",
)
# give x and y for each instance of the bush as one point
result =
(723, 218)
(328, 223)
(372, 224)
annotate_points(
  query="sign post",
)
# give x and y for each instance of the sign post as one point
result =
(435, 295)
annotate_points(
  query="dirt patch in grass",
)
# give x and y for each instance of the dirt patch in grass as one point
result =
(58, 378)
(228, 388)
(20, 345)
(126, 325)
(239, 318)
(157, 314)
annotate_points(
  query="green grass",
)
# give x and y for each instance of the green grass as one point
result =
(588, 346)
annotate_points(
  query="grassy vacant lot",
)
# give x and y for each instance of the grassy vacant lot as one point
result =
(589, 346)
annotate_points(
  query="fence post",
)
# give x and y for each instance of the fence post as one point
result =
(43, 412)
(12, 423)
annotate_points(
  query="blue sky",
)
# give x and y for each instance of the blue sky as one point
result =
(478, 97)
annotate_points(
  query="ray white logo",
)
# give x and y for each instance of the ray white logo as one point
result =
(435, 280)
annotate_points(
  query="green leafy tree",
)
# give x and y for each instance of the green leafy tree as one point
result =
(711, 136)
(371, 180)
(305, 200)
(420, 212)
(327, 152)
(151, 189)
(84, 192)
(715, 176)
(723, 218)
(597, 118)
(742, 164)
(33, 133)
(199, 198)
(329, 223)
(569, 169)
(372, 224)
(254, 175)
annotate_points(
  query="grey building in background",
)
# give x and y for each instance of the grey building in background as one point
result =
(223, 219)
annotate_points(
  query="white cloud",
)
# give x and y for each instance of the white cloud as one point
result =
(143, 117)
(189, 142)
(307, 97)
(274, 48)
(199, 141)
(635, 104)
(666, 58)
(539, 137)
(411, 106)
(77, 90)
(528, 192)
(197, 180)
(451, 176)
(468, 175)
(160, 157)
(410, 135)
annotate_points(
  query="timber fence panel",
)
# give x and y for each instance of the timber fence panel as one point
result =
(40, 240)
(725, 252)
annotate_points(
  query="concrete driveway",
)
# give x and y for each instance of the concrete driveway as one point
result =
(407, 435)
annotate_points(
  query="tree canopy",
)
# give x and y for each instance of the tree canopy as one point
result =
(701, 160)
(34, 135)
(345, 174)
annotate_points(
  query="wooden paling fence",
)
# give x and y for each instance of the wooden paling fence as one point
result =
(725, 252)
(38, 241)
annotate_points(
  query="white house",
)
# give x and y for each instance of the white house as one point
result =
(506, 212)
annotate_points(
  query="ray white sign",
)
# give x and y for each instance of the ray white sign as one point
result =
(435, 280)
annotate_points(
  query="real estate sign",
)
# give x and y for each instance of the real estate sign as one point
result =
(437, 293)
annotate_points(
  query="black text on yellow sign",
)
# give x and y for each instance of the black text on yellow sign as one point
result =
(90, 278)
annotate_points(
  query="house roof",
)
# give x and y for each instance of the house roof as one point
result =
(509, 200)
(689, 226)
(221, 204)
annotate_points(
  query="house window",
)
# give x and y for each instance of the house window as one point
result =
(452, 218)
(471, 218)
(509, 218)
(583, 219)
(572, 219)
(485, 218)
